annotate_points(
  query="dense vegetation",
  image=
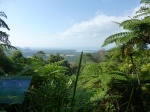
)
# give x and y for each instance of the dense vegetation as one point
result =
(117, 80)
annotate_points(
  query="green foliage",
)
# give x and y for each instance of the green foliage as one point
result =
(116, 80)
(54, 58)
(145, 1)
(52, 92)
(6, 65)
(16, 55)
(131, 74)
(40, 55)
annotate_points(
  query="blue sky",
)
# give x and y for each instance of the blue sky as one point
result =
(64, 23)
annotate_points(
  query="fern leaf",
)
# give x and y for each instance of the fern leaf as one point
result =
(146, 19)
(130, 24)
(143, 12)
(7, 46)
(3, 24)
(126, 39)
(142, 9)
(113, 38)
(116, 22)
(4, 37)
(145, 1)
(3, 14)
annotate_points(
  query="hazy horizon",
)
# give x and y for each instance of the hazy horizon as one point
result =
(62, 48)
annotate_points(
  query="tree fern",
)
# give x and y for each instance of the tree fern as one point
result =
(138, 32)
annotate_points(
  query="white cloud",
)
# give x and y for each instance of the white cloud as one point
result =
(90, 33)
(93, 32)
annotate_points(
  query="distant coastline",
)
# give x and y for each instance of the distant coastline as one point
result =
(29, 51)
(80, 49)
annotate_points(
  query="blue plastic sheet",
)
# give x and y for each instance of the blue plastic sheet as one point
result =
(13, 89)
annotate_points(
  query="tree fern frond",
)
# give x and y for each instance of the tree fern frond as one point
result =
(125, 39)
(130, 24)
(7, 46)
(116, 22)
(90, 83)
(52, 69)
(142, 12)
(58, 63)
(139, 15)
(4, 37)
(127, 22)
(113, 38)
(146, 20)
(145, 1)
(3, 14)
(142, 9)
(121, 83)
(3, 24)
(145, 81)
(118, 73)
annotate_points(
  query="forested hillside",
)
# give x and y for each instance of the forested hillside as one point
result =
(114, 80)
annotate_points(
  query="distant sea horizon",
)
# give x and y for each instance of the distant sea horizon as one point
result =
(77, 49)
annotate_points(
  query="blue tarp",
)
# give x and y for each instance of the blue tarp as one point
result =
(13, 89)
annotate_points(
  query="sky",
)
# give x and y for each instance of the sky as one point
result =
(65, 23)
